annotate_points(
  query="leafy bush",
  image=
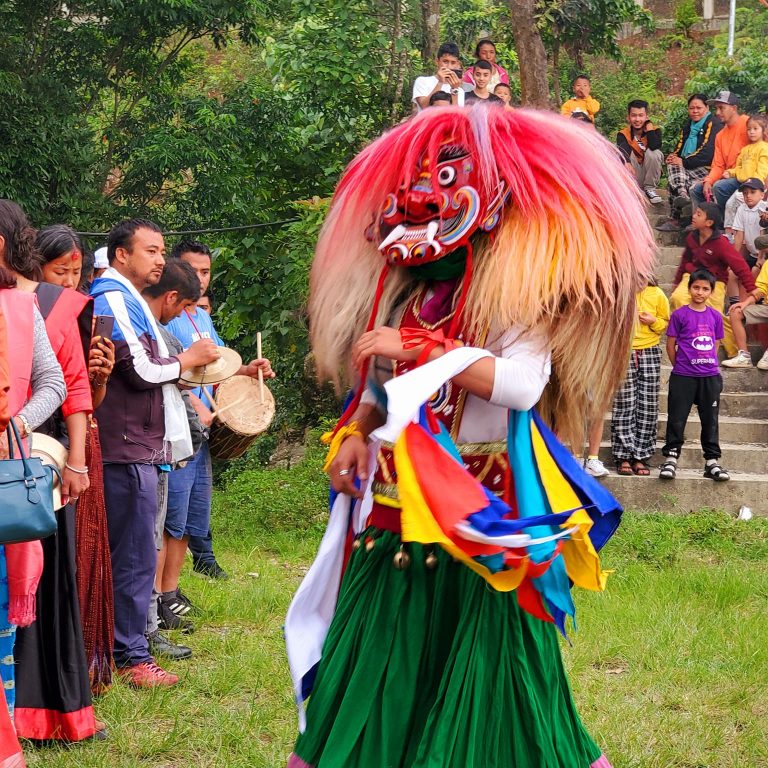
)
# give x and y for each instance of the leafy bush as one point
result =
(746, 72)
(261, 283)
(615, 88)
(686, 16)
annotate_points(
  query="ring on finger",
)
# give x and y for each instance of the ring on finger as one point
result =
(343, 472)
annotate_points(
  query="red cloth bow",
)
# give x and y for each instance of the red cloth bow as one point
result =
(415, 337)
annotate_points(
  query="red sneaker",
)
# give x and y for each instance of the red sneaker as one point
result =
(147, 675)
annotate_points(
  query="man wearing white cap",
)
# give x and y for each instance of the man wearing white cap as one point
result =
(731, 139)
(100, 261)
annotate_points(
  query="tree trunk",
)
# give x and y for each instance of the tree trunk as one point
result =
(534, 88)
(430, 32)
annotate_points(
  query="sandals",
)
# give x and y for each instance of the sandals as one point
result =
(641, 468)
(716, 472)
(668, 471)
(623, 467)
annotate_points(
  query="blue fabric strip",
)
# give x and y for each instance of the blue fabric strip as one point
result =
(601, 505)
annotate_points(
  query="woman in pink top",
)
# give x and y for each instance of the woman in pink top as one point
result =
(486, 49)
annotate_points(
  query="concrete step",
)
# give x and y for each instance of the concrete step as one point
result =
(669, 255)
(690, 492)
(733, 429)
(747, 404)
(669, 239)
(665, 272)
(749, 457)
(734, 379)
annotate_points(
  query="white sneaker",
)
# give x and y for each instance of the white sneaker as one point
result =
(741, 360)
(595, 467)
(653, 196)
(762, 363)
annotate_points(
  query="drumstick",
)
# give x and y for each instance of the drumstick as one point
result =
(261, 373)
(218, 411)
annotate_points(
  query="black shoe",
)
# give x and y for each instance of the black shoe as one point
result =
(160, 645)
(670, 225)
(167, 618)
(182, 598)
(211, 570)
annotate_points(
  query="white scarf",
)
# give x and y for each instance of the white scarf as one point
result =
(177, 434)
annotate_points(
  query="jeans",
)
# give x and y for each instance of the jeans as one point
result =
(722, 191)
(201, 548)
(190, 489)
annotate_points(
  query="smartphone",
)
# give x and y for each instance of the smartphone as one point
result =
(104, 326)
(457, 72)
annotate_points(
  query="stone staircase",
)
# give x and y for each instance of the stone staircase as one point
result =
(743, 433)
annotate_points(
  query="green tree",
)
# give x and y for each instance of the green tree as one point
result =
(579, 27)
(744, 73)
(81, 81)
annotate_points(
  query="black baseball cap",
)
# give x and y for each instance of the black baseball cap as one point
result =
(752, 184)
(725, 97)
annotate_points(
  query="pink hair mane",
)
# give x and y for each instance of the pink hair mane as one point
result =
(571, 250)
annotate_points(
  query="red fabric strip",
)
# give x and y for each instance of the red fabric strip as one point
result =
(47, 724)
(355, 402)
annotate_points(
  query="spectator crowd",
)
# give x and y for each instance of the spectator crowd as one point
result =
(92, 350)
(99, 342)
(716, 178)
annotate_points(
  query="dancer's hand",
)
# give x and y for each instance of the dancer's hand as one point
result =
(351, 461)
(384, 342)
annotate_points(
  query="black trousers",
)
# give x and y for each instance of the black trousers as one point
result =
(704, 393)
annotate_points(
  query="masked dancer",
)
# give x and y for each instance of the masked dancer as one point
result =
(475, 283)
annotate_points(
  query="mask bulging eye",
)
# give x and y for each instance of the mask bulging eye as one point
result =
(446, 175)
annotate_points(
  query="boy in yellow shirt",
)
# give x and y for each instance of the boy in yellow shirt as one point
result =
(636, 405)
(581, 101)
(750, 312)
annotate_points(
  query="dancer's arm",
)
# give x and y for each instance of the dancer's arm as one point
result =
(352, 458)
(515, 380)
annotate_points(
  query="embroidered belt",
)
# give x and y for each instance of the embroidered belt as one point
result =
(470, 449)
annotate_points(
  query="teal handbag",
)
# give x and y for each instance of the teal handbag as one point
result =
(26, 495)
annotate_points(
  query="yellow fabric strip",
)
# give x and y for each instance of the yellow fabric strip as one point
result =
(335, 441)
(582, 563)
(419, 525)
(385, 501)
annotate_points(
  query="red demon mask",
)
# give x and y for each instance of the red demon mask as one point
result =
(440, 210)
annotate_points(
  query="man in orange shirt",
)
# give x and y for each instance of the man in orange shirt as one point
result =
(728, 143)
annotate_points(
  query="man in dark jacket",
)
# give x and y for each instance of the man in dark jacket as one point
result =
(142, 424)
(640, 144)
(689, 162)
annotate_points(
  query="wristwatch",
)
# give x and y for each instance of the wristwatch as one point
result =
(27, 430)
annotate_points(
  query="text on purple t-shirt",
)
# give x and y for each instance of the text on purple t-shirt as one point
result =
(696, 334)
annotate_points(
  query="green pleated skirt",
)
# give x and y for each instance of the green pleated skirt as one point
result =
(430, 668)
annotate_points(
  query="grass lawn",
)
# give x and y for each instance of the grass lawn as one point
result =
(669, 666)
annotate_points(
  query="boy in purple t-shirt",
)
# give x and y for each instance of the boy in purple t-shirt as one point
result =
(693, 336)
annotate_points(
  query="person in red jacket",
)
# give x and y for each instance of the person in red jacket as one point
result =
(706, 247)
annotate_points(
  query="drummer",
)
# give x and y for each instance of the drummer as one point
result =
(189, 492)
